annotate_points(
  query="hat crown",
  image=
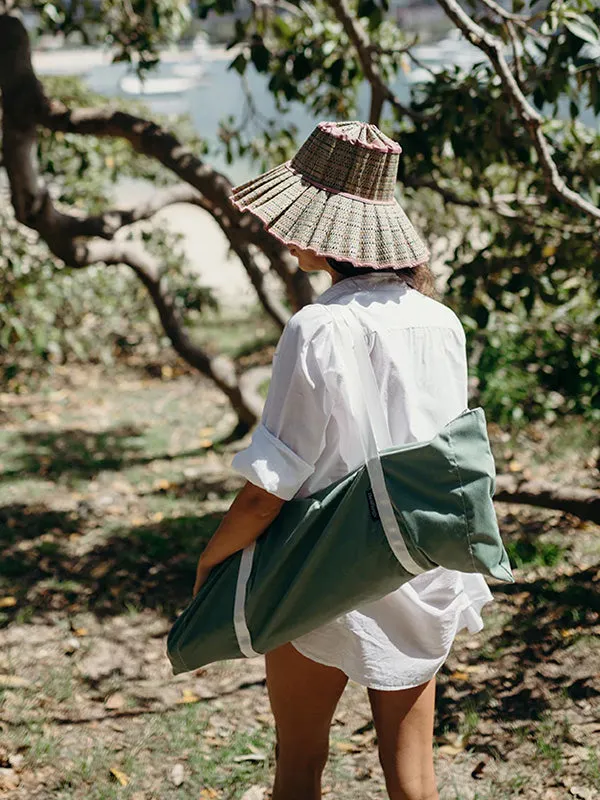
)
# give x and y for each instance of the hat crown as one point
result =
(352, 158)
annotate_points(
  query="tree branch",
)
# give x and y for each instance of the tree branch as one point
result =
(365, 51)
(518, 19)
(150, 139)
(107, 224)
(23, 101)
(530, 118)
(219, 369)
(514, 41)
(276, 310)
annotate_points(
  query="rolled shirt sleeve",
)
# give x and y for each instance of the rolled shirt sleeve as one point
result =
(291, 434)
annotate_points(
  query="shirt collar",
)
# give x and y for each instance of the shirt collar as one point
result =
(348, 286)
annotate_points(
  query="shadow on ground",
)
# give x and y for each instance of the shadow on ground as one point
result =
(147, 566)
(555, 614)
(76, 453)
(153, 566)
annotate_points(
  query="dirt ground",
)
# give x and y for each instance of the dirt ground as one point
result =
(109, 484)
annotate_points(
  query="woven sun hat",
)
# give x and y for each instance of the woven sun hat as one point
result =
(336, 198)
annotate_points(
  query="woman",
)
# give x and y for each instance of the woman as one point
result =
(334, 207)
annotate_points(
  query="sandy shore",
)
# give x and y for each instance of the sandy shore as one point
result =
(204, 244)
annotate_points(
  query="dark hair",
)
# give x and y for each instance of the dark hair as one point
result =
(419, 278)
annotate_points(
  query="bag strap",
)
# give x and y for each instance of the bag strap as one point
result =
(366, 404)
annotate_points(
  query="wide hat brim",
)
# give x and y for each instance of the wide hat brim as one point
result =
(332, 224)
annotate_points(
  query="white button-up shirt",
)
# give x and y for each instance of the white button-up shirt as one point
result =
(308, 438)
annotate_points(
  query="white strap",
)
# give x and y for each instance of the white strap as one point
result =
(367, 406)
(239, 606)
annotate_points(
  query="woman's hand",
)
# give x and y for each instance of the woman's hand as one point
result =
(249, 516)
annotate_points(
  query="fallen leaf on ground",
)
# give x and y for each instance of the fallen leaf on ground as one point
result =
(71, 646)
(450, 749)
(16, 761)
(114, 701)
(250, 757)
(188, 697)
(101, 570)
(12, 682)
(177, 774)
(347, 747)
(208, 794)
(453, 744)
(8, 602)
(583, 792)
(8, 779)
(119, 776)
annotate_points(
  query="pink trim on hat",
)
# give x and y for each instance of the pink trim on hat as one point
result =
(304, 176)
(334, 129)
(354, 261)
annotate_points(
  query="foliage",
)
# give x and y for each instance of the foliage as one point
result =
(525, 280)
(526, 259)
(52, 314)
(540, 365)
(136, 29)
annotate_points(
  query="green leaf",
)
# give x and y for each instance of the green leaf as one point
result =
(583, 27)
(239, 63)
(260, 57)
(336, 71)
(282, 27)
(302, 67)
(366, 8)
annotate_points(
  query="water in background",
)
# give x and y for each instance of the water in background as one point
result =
(218, 93)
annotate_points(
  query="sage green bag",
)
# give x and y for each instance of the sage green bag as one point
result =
(406, 510)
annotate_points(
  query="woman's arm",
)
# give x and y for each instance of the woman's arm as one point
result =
(249, 515)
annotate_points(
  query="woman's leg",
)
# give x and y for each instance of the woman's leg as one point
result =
(303, 697)
(404, 724)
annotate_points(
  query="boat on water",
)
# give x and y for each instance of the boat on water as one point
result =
(193, 70)
(163, 85)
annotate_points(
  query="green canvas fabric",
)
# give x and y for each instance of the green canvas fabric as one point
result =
(327, 554)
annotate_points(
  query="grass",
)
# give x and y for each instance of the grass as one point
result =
(224, 761)
(470, 720)
(523, 552)
(237, 335)
(548, 737)
(107, 517)
(592, 767)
